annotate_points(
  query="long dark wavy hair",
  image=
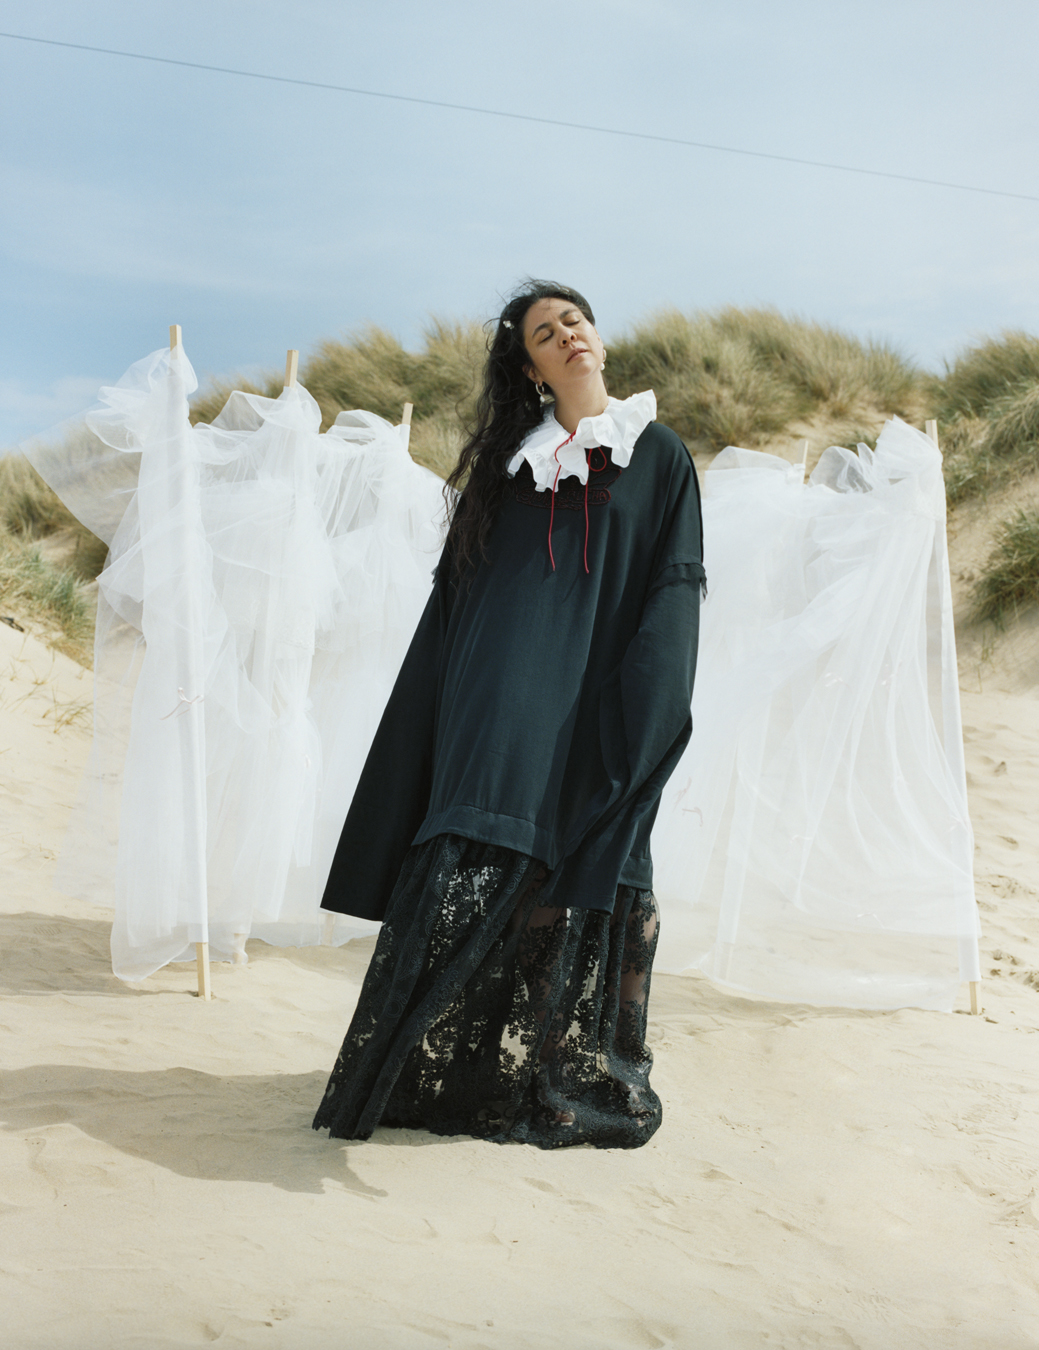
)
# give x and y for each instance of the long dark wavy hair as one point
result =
(507, 409)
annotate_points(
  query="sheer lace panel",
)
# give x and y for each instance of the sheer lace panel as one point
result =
(486, 1012)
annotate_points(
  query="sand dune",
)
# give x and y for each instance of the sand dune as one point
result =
(823, 1178)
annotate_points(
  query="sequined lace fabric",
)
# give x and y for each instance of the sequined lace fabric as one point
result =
(486, 1012)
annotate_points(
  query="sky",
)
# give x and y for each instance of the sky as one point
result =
(262, 216)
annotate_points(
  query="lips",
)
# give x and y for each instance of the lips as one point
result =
(578, 351)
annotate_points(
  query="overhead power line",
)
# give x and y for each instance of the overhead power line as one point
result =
(521, 117)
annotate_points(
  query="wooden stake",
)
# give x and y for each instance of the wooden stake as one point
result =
(804, 458)
(405, 421)
(291, 366)
(974, 997)
(205, 990)
(174, 335)
(931, 428)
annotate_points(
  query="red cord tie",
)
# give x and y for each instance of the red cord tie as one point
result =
(587, 484)
(555, 483)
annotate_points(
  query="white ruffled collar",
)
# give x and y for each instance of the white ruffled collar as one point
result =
(553, 454)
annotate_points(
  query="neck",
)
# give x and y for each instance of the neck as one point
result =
(588, 401)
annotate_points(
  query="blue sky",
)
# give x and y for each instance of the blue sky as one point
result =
(263, 216)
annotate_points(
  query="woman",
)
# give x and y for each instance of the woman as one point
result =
(501, 825)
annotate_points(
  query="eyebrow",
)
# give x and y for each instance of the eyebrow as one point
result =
(563, 313)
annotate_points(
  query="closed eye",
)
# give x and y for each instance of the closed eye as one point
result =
(570, 317)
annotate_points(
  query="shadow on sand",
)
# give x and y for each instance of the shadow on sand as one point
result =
(51, 954)
(249, 1128)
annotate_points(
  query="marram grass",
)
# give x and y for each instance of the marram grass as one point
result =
(739, 377)
(27, 505)
(985, 373)
(46, 592)
(732, 376)
(987, 403)
(1009, 580)
(51, 594)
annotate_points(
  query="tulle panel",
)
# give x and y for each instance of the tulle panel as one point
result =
(273, 574)
(814, 842)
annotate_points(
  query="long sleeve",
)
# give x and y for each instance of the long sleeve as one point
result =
(645, 719)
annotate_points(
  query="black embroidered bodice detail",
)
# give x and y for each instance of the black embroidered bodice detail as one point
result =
(489, 1012)
(570, 492)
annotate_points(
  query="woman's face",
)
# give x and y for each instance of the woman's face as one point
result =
(563, 346)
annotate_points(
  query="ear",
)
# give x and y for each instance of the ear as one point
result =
(531, 373)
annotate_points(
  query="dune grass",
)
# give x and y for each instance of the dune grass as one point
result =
(984, 374)
(46, 556)
(372, 370)
(740, 377)
(32, 585)
(987, 403)
(731, 376)
(1009, 580)
(31, 511)
(206, 406)
(27, 505)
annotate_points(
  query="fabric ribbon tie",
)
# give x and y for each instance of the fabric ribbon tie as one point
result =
(555, 482)
(587, 483)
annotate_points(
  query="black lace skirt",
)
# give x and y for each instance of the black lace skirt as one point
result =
(485, 1012)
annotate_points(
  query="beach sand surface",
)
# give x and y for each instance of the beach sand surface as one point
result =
(823, 1178)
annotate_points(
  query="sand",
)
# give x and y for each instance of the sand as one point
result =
(823, 1178)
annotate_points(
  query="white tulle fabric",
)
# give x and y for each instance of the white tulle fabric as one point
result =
(554, 454)
(263, 583)
(814, 843)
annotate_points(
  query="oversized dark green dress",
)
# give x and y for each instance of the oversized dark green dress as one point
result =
(501, 825)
